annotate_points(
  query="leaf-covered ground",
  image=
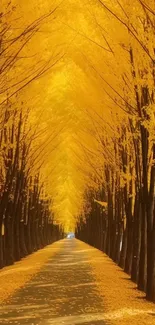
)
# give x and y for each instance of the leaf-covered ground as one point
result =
(16, 276)
(71, 283)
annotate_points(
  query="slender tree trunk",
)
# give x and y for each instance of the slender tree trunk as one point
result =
(142, 279)
(123, 250)
(136, 239)
(9, 241)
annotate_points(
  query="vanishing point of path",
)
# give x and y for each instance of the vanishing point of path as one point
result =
(63, 292)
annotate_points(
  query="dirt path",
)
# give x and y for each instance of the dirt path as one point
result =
(16, 276)
(76, 285)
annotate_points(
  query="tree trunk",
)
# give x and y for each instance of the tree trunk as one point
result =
(136, 240)
(143, 253)
(9, 241)
(123, 250)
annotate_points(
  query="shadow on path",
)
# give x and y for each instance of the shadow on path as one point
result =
(62, 293)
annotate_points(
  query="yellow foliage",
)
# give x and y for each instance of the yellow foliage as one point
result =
(74, 79)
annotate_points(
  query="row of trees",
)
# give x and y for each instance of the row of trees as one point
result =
(121, 220)
(26, 221)
(108, 135)
(25, 217)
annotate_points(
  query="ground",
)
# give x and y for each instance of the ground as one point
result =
(70, 283)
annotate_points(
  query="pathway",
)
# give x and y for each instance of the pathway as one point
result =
(77, 284)
(63, 292)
